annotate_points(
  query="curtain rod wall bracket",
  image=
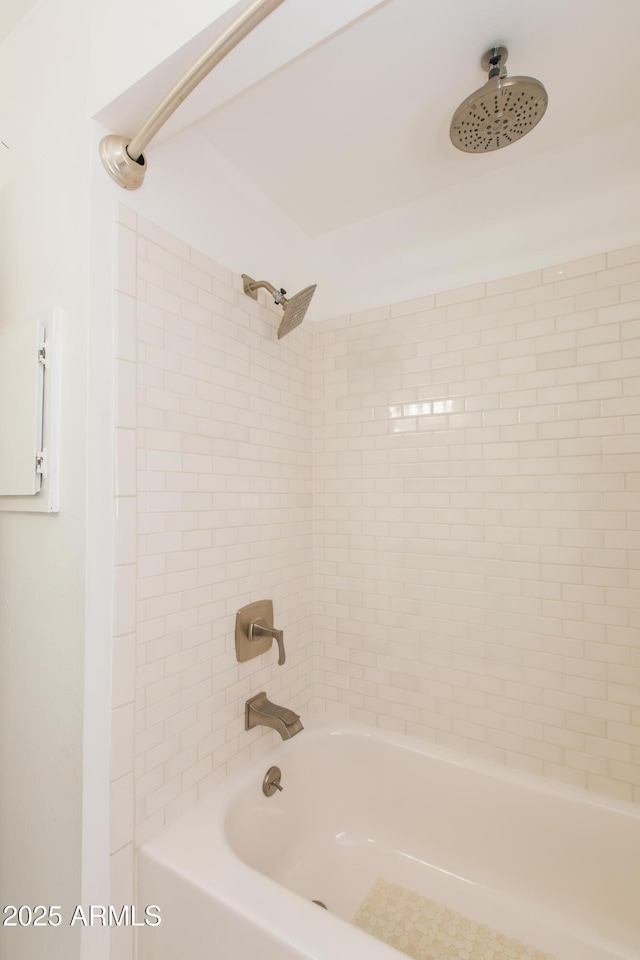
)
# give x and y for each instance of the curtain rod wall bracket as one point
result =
(126, 172)
(122, 157)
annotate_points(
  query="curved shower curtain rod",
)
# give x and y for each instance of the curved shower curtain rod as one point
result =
(123, 157)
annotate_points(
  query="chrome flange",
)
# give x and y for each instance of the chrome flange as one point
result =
(494, 56)
(126, 172)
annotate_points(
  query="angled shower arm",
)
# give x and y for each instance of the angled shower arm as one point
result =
(123, 157)
(251, 288)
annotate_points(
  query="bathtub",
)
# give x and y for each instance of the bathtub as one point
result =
(236, 875)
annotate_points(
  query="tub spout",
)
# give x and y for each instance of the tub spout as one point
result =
(260, 711)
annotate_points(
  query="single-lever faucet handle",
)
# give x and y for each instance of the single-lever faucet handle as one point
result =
(259, 629)
(279, 637)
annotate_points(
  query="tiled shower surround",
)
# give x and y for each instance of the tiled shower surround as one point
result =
(469, 468)
(224, 518)
(477, 519)
(216, 514)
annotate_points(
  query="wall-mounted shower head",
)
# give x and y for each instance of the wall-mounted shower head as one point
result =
(500, 112)
(294, 307)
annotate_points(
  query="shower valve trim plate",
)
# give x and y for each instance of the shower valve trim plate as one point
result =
(255, 631)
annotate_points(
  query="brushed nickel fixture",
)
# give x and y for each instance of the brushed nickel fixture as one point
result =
(123, 157)
(271, 781)
(294, 308)
(259, 711)
(255, 631)
(499, 113)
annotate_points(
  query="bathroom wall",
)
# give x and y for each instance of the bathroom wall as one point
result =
(476, 482)
(213, 507)
(57, 68)
(43, 265)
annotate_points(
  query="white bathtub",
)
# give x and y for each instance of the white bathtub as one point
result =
(548, 865)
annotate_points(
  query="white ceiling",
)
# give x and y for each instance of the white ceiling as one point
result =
(338, 112)
(11, 13)
(359, 124)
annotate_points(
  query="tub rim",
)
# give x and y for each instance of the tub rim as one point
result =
(180, 847)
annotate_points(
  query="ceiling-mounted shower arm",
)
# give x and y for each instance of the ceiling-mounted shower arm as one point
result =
(494, 61)
(123, 157)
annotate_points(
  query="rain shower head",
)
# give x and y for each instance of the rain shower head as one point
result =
(499, 113)
(294, 307)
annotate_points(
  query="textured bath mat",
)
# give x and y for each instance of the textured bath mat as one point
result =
(426, 930)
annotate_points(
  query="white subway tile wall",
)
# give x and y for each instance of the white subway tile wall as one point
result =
(477, 520)
(218, 414)
(224, 518)
(474, 569)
